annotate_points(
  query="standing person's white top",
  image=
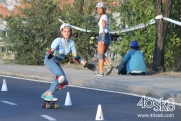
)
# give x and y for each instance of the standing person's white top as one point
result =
(104, 17)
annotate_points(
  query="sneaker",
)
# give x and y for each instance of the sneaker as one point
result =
(109, 70)
(43, 96)
(62, 85)
(50, 98)
(99, 74)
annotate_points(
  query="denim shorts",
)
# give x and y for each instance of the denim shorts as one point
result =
(107, 38)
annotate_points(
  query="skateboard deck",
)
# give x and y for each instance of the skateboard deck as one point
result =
(49, 104)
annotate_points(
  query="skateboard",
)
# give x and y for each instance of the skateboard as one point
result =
(49, 104)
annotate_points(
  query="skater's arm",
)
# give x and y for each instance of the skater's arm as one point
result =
(86, 64)
(52, 49)
(50, 53)
(54, 45)
(78, 59)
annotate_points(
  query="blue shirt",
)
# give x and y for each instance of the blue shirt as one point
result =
(134, 61)
(62, 47)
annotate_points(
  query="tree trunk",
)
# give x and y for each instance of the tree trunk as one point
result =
(178, 68)
(79, 4)
(161, 33)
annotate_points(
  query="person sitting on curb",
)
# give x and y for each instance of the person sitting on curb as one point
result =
(133, 62)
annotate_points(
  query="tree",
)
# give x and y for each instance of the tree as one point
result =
(79, 5)
(32, 30)
(161, 33)
(173, 43)
(134, 12)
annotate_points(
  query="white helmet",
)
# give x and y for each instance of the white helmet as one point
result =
(101, 4)
(65, 25)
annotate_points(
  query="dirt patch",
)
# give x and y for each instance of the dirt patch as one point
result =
(170, 73)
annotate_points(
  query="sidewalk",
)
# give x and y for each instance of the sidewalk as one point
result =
(149, 85)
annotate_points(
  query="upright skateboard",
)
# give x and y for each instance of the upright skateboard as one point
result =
(49, 104)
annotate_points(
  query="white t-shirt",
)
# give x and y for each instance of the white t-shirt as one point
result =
(104, 17)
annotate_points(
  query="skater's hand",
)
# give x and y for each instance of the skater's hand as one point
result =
(90, 66)
(50, 54)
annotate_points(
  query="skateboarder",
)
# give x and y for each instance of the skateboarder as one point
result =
(60, 47)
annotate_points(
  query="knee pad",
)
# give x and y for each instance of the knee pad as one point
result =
(60, 78)
(100, 56)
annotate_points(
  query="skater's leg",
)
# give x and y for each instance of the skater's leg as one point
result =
(48, 94)
(56, 85)
(53, 66)
(52, 87)
(63, 73)
(63, 84)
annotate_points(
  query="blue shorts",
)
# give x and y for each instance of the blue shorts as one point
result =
(107, 38)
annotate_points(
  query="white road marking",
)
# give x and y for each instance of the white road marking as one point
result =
(10, 103)
(124, 93)
(26, 79)
(131, 94)
(48, 117)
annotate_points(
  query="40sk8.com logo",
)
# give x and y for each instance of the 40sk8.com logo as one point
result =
(157, 105)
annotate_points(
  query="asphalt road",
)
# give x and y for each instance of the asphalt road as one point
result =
(22, 102)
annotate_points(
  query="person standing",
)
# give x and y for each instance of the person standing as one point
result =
(104, 40)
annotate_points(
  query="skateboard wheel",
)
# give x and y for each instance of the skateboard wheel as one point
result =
(43, 105)
(56, 106)
(47, 106)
